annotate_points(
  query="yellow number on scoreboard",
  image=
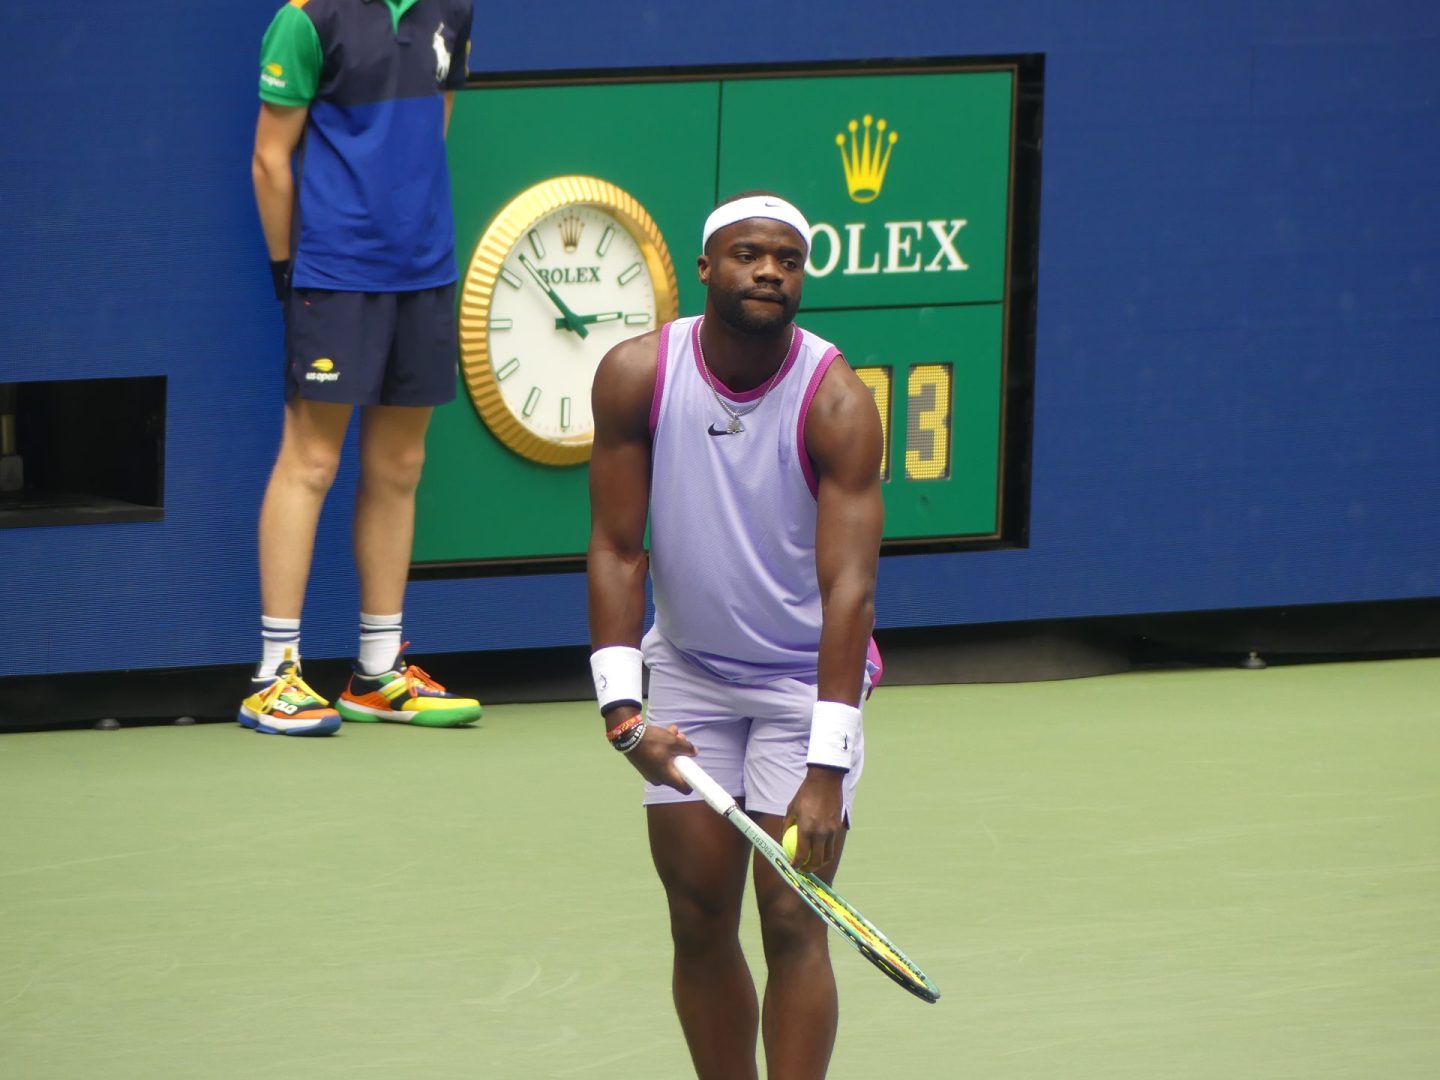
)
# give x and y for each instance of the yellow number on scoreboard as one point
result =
(878, 379)
(927, 432)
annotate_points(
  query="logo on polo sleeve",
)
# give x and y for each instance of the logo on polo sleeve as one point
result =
(273, 75)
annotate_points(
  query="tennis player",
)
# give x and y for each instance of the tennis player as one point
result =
(754, 451)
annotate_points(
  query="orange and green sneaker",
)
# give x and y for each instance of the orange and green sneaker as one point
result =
(406, 694)
(288, 707)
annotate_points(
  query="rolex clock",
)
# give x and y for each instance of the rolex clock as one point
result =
(568, 269)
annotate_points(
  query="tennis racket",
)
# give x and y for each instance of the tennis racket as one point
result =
(859, 931)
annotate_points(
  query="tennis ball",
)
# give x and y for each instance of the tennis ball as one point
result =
(789, 840)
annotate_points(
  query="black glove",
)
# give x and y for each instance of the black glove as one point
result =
(280, 274)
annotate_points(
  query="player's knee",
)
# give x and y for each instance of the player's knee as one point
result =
(396, 469)
(311, 465)
(788, 927)
(701, 924)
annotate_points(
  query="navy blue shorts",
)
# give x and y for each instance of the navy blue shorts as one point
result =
(358, 348)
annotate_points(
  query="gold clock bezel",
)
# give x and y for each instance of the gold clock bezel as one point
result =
(510, 224)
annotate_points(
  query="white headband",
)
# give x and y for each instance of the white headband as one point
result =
(756, 206)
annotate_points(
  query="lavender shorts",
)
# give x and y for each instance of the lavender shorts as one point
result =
(752, 739)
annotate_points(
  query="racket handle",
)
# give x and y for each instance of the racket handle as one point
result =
(719, 799)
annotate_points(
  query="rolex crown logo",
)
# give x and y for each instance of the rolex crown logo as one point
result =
(866, 160)
(570, 227)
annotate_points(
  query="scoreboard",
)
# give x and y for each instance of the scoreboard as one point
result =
(908, 179)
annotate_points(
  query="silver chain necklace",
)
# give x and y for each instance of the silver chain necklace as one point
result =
(735, 427)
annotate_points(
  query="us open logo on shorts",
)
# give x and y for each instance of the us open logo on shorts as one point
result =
(322, 370)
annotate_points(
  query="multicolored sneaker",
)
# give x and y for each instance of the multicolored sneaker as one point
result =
(406, 694)
(288, 707)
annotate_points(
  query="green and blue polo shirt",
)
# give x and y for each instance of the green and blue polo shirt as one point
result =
(373, 189)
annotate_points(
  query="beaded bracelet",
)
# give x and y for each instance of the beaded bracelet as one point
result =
(626, 735)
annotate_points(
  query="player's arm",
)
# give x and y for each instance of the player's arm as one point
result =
(845, 442)
(616, 561)
(277, 133)
(843, 438)
(291, 59)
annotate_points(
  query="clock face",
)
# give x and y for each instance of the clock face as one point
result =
(557, 282)
(577, 271)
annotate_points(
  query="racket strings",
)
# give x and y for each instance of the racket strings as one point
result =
(867, 935)
(877, 948)
(858, 930)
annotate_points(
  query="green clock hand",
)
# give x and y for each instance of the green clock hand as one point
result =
(608, 316)
(570, 320)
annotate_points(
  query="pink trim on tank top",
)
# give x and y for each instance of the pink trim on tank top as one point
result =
(661, 356)
(748, 395)
(806, 465)
(872, 653)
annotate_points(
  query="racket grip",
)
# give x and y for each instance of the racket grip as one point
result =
(719, 799)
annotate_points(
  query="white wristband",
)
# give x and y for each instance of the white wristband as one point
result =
(834, 735)
(617, 673)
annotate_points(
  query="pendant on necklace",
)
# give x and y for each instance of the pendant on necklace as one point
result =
(734, 427)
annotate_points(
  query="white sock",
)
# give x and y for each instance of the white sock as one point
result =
(277, 635)
(379, 643)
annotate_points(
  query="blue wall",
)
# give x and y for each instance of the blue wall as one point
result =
(1238, 365)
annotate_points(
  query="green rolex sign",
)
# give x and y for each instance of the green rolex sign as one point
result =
(904, 178)
(907, 181)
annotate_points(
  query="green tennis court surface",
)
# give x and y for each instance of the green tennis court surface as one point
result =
(1218, 874)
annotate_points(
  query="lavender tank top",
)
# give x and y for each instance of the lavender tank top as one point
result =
(732, 516)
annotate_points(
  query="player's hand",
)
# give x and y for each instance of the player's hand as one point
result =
(818, 814)
(280, 278)
(655, 756)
